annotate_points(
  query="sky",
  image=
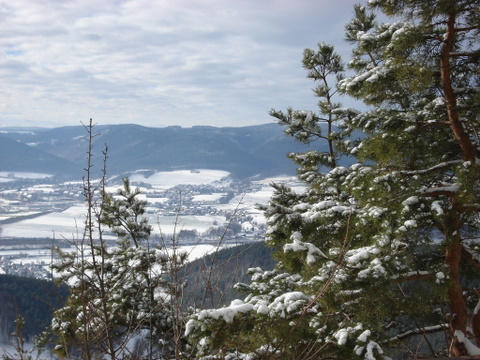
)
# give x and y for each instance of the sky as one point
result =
(160, 62)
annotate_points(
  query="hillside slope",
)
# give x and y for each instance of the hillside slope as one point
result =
(243, 151)
(17, 156)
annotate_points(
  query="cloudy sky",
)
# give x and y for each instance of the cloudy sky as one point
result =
(160, 62)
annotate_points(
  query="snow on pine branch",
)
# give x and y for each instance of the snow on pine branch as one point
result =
(418, 331)
(469, 346)
(297, 245)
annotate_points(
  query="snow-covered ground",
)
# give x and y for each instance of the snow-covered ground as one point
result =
(169, 179)
(6, 176)
(69, 223)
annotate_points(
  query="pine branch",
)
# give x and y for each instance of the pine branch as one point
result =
(441, 166)
(419, 331)
(412, 276)
(473, 54)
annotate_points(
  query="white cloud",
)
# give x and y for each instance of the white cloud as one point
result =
(154, 62)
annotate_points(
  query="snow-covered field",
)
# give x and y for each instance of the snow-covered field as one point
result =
(171, 224)
(6, 176)
(44, 256)
(169, 179)
(69, 223)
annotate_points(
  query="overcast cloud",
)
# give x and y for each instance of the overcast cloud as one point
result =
(160, 62)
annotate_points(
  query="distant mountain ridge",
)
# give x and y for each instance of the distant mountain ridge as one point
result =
(243, 151)
(16, 156)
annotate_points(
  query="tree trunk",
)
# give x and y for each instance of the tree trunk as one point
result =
(475, 325)
(458, 309)
(466, 145)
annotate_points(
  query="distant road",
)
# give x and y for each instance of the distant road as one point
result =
(30, 243)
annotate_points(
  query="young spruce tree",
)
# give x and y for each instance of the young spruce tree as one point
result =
(380, 259)
(120, 305)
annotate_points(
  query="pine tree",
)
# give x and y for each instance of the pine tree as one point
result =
(379, 259)
(421, 78)
(119, 294)
(123, 214)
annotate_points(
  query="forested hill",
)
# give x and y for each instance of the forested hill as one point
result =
(36, 299)
(243, 151)
(210, 280)
(17, 156)
(32, 299)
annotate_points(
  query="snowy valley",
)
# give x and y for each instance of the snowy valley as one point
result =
(195, 205)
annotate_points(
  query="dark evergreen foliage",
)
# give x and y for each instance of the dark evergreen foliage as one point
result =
(33, 299)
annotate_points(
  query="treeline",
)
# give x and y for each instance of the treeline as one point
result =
(32, 299)
(215, 274)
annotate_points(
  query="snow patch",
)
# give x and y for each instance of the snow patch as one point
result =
(226, 313)
(297, 245)
(471, 348)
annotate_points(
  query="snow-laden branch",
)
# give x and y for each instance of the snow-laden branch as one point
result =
(441, 190)
(297, 245)
(419, 331)
(470, 347)
(440, 166)
(411, 276)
